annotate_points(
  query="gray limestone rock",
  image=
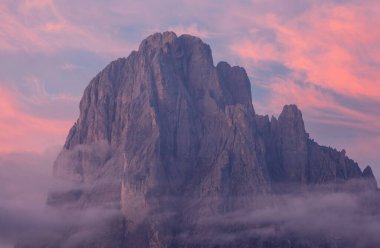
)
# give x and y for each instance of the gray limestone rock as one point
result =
(165, 137)
(295, 160)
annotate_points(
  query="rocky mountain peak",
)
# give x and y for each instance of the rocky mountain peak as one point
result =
(235, 82)
(291, 119)
(370, 178)
(157, 40)
(182, 47)
(166, 129)
(175, 124)
(367, 172)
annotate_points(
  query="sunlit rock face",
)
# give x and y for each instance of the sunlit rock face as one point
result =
(166, 138)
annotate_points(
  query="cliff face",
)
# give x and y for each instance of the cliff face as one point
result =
(293, 158)
(165, 123)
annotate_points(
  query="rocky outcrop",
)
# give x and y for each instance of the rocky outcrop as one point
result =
(295, 160)
(166, 131)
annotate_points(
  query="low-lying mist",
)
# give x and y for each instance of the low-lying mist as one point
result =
(25, 218)
(317, 219)
(311, 218)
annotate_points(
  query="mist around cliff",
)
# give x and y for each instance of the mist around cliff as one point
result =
(25, 180)
(318, 218)
(319, 215)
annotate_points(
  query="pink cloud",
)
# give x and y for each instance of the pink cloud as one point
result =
(53, 27)
(39, 26)
(32, 4)
(328, 42)
(23, 132)
(314, 102)
(14, 35)
(192, 29)
(331, 47)
(249, 50)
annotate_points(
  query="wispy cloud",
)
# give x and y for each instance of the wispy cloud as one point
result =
(23, 131)
(40, 27)
(192, 29)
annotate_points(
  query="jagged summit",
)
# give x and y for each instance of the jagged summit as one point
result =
(157, 40)
(165, 123)
(291, 111)
(368, 174)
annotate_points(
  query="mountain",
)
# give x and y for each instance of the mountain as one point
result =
(165, 138)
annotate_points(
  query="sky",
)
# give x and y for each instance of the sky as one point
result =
(323, 56)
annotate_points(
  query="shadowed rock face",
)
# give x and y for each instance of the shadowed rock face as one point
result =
(293, 158)
(166, 129)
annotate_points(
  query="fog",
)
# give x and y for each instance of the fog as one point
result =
(320, 216)
(314, 216)
(25, 180)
